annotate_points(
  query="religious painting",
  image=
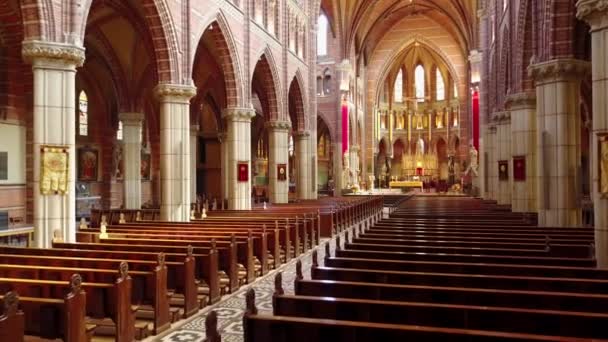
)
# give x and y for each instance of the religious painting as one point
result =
(88, 159)
(603, 161)
(281, 172)
(54, 169)
(519, 168)
(145, 166)
(503, 170)
(242, 169)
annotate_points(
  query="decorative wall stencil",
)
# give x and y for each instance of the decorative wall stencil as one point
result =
(519, 168)
(503, 170)
(281, 172)
(603, 161)
(242, 171)
(88, 164)
(54, 168)
(3, 165)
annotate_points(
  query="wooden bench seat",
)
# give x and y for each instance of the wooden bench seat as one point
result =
(297, 329)
(111, 300)
(207, 260)
(579, 285)
(181, 276)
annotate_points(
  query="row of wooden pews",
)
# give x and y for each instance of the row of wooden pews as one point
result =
(444, 269)
(131, 280)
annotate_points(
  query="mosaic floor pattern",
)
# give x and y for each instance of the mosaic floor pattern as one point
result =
(231, 308)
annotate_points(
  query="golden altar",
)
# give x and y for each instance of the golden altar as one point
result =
(405, 184)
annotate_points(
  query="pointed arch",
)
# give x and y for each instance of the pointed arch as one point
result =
(296, 104)
(162, 32)
(229, 58)
(266, 71)
(386, 67)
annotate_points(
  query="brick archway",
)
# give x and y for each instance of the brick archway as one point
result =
(227, 58)
(265, 82)
(162, 33)
(296, 106)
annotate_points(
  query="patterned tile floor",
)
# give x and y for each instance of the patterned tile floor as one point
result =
(231, 308)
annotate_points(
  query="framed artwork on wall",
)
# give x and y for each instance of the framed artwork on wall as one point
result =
(242, 171)
(281, 172)
(603, 164)
(503, 170)
(519, 168)
(88, 159)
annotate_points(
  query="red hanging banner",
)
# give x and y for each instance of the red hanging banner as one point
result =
(344, 126)
(475, 98)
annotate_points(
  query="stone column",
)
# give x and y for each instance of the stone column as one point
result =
(54, 100)
(523, 145)
(492, 169)
(238, 150)
(131, 133)
(175, 150)
(595, 12)
(224, 162)
(354, 163)
(558, 158)
(278, 153)
(502, 151)
(302, 164)
(193, 161)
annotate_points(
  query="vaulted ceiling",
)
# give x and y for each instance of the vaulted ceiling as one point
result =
(362, 23)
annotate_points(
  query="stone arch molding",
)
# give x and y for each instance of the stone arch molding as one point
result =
(166, 47)
(397, 51)
(235, 60)
(300, 80)
(278, 88)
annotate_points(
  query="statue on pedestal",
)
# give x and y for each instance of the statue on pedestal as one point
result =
(346, 179)
(473, 154)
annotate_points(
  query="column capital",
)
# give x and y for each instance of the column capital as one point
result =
(131, 118)
(238, 114)
(180, 93)
(503, 117)
(354, 148)
(301, 135)
(278, 125)
(521, 100)
(50, 54)
(594, 12)
(221, 136)
(565, 69)
(194, 128)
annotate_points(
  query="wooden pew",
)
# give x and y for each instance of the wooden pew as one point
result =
(149, 287)
(207, 260)
(296, 329)
(12, 323)
(180, 271)
(505, 319)
(112, 299)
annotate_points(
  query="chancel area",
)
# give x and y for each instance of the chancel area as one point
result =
(303, 170)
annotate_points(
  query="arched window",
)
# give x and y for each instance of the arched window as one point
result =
(119, 131)
(291, 146)
(440, 85)
(398, 87)
(455, 91)
(83, 114)
(419, 83)
(322, 26)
